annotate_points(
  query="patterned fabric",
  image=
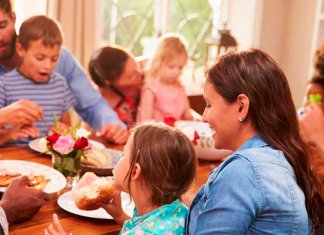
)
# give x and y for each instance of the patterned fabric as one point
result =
(3, 223)
(168, 220)
(165, 104)
(54, 97)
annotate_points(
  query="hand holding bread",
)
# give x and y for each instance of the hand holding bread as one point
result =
(91, 191)
(114, 208)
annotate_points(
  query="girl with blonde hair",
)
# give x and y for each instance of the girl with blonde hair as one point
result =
(163, 95)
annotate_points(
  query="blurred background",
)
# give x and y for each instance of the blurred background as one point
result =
(288, 30)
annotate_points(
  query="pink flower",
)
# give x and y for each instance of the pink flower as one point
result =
(64, 144)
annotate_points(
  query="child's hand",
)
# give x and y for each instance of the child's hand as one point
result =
(114, 133)
(55, 228)
(18, 133)
(24, 131)
(21, 112)
(114, 208)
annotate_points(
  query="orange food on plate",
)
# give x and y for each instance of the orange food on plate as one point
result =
(6, 179)
(36, 181)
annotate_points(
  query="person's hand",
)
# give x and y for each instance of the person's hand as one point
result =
(15, 133)
(114, 133)
(312, 125)
(21, 202)
(23, 132)
(22, 112)
(114, 208)
(56, 228)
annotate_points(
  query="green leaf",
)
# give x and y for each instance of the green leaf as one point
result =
(315, 98)
(56, 128)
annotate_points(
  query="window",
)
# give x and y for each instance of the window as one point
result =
(136, 24)
(25, 9)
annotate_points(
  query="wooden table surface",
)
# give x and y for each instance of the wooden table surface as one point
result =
(76, 224)
(82, 225)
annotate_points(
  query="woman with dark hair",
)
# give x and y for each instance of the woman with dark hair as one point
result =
(119, 80)
(267, 185)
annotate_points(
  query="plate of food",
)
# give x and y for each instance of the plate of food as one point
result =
(39, 145)
(66, 202)
(100, 161)
(89, 193)
(41, 177)
(204, 146)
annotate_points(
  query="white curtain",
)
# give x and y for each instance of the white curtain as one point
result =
(79, 20)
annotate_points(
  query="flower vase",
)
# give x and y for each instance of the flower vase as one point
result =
(68, 165)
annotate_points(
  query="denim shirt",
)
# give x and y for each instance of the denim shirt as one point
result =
(254, 191)
(90, 104)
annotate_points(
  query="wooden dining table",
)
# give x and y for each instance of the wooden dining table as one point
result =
(71, 222)
(83, 225)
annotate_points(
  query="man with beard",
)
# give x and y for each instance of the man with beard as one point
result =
(90, 105)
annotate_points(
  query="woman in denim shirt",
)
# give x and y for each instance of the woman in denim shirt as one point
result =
(267, 185)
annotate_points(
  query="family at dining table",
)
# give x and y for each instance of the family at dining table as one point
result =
(39, 49)
(275, 190)
(266, 186)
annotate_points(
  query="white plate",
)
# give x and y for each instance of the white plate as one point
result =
(204, 149)
(201, 127)
(57, 180)
(36, 146)
(67, 203)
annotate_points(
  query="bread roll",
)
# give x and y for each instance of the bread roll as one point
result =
(92, 191)
(97, 158)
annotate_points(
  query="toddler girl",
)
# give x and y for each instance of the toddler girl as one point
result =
(158, 166)
(163, 95)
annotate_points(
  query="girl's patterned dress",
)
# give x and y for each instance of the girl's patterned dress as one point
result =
(168, 219)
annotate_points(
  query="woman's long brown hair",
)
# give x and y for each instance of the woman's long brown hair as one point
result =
(271, 112)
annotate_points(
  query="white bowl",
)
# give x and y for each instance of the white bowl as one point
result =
(205, 144)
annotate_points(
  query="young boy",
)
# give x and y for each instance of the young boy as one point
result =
(38, 45)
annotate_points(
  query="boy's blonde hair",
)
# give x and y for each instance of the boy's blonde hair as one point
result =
(40, 27)
(168, 46)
